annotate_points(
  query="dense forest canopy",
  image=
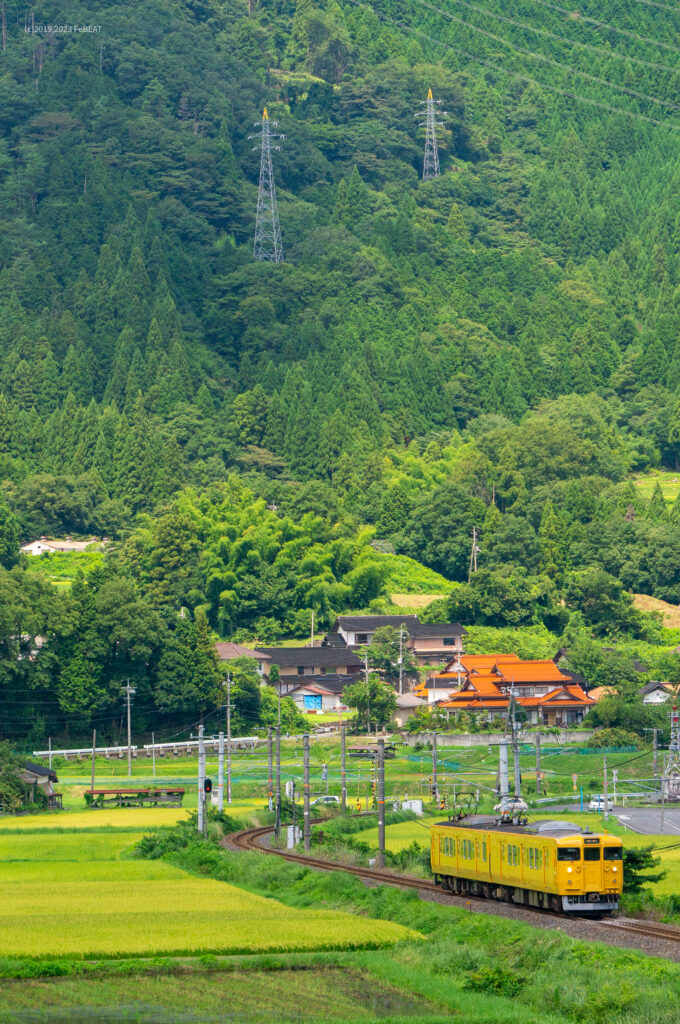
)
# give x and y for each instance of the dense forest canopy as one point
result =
(498, 347)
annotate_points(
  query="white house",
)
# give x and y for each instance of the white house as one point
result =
(656, 693)
(51, 546)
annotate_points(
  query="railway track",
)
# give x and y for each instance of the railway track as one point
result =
(248, 840)
(251, 839)
(647, 929)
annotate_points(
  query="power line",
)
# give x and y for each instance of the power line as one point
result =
(514, 74)
(548, 60)
(610, 54)
(606, 25)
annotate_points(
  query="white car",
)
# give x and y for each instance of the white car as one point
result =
(326, 800)
(597, 803)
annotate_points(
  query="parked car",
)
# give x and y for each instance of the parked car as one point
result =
(326, 800)
(597, 803)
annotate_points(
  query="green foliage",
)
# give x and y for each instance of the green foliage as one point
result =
(496, 349)
(11, 787)
(638, 868)
(374, 701)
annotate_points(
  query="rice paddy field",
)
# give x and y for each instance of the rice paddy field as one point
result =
(70, 890)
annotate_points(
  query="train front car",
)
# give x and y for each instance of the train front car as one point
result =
(548, 864)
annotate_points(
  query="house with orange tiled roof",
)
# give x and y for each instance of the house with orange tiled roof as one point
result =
(482, 684)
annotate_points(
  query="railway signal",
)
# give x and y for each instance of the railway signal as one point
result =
(207, 785)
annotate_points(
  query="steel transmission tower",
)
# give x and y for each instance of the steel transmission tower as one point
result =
(670, 783)
(430, 124)
(267, 230)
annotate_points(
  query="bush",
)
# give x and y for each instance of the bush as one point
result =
(613, 738)
(495, 979)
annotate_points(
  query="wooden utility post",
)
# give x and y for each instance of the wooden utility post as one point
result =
(606, 801)
(381, 803)
(538, 764)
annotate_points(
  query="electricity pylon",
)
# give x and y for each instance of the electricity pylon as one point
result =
(267, 230)
(430, 124)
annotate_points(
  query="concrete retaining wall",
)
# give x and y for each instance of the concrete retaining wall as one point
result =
(478, 739)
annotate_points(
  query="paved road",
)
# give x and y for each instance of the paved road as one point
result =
(648, 819)
(639, 819)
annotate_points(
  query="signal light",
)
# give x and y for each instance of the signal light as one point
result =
(207, 785)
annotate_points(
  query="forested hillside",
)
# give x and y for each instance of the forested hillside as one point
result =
(498, 347)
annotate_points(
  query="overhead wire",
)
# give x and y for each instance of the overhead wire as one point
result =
(547, 60)
(514, 74)
(576, 16)
(609, 54)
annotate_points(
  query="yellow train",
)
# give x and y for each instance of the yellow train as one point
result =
(549, 864)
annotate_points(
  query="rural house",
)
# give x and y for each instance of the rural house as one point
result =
(428, 641)
(227, 651)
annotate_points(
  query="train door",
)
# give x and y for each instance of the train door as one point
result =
(592, 868)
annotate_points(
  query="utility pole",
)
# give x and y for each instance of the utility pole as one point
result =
(430, 124)
(94, 750)
(227, 706)
(270, 770)
(312, 643)
(503, 772)
(343, 773)
(306, 823)
(201, 780)
(129, 691)
(474, 551)
(368, 693)
(515, 745)
(49, 748)
(267, 229)
(278, 781)
(381, 803)
(606, 802)
(538, 764)
(435, 788)
(153, 753)
(655, 734)
(220, 773)
(401, 659)
(228, 738)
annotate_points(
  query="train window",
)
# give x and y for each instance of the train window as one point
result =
(568, 853)
(509, 854)
(538, 858)
(531, 856)
(612, 853)
(483, 851)
(591, 853)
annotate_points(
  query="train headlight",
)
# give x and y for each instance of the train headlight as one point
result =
(615, 869)
(569, 870)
